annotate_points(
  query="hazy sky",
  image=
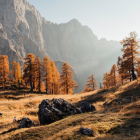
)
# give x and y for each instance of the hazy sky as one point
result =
(110, 19)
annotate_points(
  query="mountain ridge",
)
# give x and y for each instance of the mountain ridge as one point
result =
(71, 42)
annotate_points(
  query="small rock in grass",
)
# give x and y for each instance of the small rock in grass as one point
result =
(25, 123)
(87, 131)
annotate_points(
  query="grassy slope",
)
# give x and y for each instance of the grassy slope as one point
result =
(120, 122)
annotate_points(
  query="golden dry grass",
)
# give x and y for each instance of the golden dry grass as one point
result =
(121, 124)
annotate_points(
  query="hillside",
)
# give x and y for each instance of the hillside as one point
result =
(117, 116)
(23, 30)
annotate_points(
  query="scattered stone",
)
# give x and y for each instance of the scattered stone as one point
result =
(92, 108)
(87, 131)
(85, 107)
(119, 101)
(25, 123)
(78, 111)
(55, 109)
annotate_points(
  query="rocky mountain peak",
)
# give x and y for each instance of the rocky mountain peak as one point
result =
(24, 31)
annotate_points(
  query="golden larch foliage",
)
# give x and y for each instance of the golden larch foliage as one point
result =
(47, 74)
(4, 69)
(57, 82)
(113, 76)
(43, 88)
(29, 70)
(13, 71)
(38, 74)
(67, 82)
(91, 84)
(130, 56)
(18, 73)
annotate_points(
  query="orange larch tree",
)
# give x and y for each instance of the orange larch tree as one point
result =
(91, 84)
(57, 82)
(18, 73)
(29, 70)
(113, 76)
(13, 71)
(138, 70)
(38, 73)
(130, 49)
(4, 69)
(67, 82)
(53, 77)
(47, 74)
(106, 80)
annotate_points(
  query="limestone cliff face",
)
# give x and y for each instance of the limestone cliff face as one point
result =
(22, 24)
(23, 31)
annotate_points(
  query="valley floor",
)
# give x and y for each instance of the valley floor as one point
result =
(114, 119)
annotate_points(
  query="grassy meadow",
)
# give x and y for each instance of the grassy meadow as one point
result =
(119, 122)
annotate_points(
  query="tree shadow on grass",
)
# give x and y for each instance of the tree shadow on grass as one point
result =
(128, 128)
(18, 94)
(134, 90)
(10, 130)
(99, 96)
(129, 95)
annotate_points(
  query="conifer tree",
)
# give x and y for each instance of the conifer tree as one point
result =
(18, 73)
(47, 74)
(91, 84)
(113, 76)
(106, 80)
(67, 82)
(14, 69)
(138, 69)
(57, 82)
(29, 70)
(130, 49)
(43, 87)
(123, 70)
(4, 69)
(38, 73)
(53, 77)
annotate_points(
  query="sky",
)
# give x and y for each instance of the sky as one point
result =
(110, 19)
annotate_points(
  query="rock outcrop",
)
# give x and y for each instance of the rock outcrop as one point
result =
(55, 109)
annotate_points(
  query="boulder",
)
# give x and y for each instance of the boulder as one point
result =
(87, 131)
(25, 123)
(78, 111)
(55, 109)
(92, 108)
(86, 107)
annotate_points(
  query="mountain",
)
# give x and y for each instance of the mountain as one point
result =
(23, 31)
